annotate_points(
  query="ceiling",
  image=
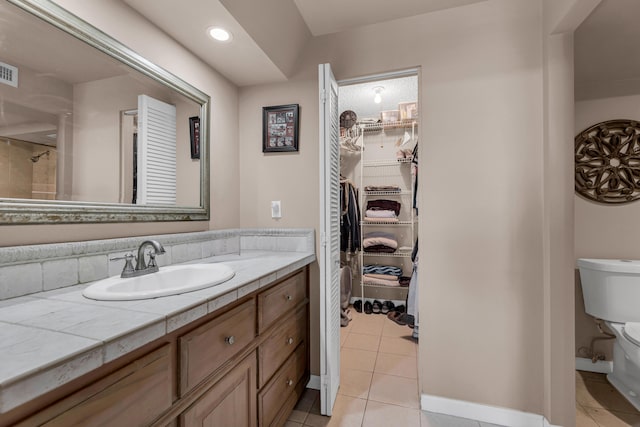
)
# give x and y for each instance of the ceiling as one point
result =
(332, 16)
(607, 54)
(251, 23)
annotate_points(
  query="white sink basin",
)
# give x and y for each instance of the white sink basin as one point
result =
(171, 280)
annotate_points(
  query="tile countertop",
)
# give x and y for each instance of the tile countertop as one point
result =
(50, 338)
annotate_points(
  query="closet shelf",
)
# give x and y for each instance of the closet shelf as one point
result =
(395, 162)
(370, 285)
(387, 193)
(387, 224)
(377, 127)
(396, 254)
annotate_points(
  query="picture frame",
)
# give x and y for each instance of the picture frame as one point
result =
(280, 128)
(194, 132)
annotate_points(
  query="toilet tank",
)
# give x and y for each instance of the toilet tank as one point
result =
(611, 288)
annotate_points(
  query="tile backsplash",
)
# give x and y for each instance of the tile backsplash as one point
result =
(29, 269)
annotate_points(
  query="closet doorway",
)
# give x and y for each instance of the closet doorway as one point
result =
(369, 140)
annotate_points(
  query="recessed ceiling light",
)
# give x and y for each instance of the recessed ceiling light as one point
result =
(219, 34)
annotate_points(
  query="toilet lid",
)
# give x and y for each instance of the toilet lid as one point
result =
(632, 332)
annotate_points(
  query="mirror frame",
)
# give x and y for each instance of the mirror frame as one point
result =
(30, 211)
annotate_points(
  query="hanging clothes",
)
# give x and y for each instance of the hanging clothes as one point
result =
(414, 164)
(349, 218)
(412, 298)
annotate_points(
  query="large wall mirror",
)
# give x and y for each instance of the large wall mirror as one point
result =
(89, 130)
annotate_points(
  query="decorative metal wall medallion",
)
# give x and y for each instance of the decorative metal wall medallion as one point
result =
(608, 162)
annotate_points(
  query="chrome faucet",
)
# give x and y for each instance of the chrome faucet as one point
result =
(141, 267)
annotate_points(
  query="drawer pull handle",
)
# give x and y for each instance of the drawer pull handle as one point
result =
(289, 340)
(289, 297)
(289, 383)
(230, 340)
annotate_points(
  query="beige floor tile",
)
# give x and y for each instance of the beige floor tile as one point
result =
(394, 390)
(591, 376)
(355, 383)
(596, 394)
(392, 364)
(343, 336)
(399, 346)
(361, 360)
(583, 419)
(304, 405)
(380, 414)
(347, 412)
(292, 424)
(370, 324)
(606, 418)
(392, 329)
(362, 341)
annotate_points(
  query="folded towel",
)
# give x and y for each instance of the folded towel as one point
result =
(382, 204)
(383, 241)
(390, 277)
(382, 269)
(380, 282)
(380, 214)
(380, 249)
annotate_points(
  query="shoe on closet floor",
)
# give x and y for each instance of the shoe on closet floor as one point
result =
(357, 305)
(400, 308)
(376, 307)
(387, 306)
(368, 307)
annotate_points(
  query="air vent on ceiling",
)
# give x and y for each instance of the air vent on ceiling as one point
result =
(8, 74)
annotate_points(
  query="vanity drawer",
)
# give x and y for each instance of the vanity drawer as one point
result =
(279, 300)
(275, 394)
(281, 343)
(208, 347)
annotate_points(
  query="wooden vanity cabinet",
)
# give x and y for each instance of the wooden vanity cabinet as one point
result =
(245, 365)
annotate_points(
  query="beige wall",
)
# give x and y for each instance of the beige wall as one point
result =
(603, 231)
(133, 30)
(292, 178)
(481, 234)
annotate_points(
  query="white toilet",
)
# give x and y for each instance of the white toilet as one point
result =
(611, 290)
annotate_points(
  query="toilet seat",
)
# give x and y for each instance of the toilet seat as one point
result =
(631, 331)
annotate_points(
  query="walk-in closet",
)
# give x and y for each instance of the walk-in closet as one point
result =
(379, 163)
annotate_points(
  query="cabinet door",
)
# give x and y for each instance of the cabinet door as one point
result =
(231, 402)
(134, 395)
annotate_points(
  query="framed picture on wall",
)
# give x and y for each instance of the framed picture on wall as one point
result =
(280, 128)
(194, 131)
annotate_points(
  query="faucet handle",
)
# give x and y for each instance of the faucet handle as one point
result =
(128, 263)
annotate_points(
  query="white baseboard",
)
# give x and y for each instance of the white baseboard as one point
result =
(314, 382)
(479, 412)
(601, 366)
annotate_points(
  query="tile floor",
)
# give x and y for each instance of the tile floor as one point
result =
(378, 381)
(379, 386)
(598, 404)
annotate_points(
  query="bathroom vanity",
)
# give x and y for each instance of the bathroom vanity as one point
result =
(236, 354)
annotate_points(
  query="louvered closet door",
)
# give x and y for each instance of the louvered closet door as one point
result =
(156, 152)
(329, 240)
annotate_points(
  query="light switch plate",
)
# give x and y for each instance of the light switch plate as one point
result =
(276, 211)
